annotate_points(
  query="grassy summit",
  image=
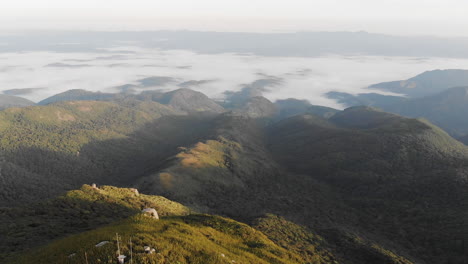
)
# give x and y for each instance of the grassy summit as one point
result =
(76, 211)
(202, 239)
(178, 236)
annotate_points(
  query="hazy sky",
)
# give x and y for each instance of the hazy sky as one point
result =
(403, 17)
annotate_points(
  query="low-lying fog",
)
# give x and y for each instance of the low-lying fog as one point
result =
(37, 75)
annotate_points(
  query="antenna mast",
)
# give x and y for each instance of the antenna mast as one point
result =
(131, 253)
(118, 246)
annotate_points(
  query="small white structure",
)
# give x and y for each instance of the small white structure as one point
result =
(135, 191)
(149, 250)
(102, 243)
(94, 186)
(151, 212)
(121, 259)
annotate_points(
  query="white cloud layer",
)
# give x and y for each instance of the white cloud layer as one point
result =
(303, 78)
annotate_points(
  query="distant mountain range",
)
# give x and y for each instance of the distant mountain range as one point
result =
(439, 96)
(77, 95)
(301, 44)
(310, 184)
(447, 109)
(7, 101)
(426, 83)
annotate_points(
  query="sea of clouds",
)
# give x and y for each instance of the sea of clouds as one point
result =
(36, 75)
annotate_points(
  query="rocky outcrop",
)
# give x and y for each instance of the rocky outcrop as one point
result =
(150, 212)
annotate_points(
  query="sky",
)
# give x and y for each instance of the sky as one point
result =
(398, 17)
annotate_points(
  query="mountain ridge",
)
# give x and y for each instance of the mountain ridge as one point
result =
(8, 101)
(371, 184)
(426, 83)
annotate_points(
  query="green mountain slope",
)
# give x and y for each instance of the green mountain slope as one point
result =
(66, 126)
(235, 175)
(402, 176)
(224, 163)
(189, 239)
(46, 150)
(291, 107)
(257, 107)
(188, 100)
(360, 186)
(447, 109)
(341, 246)
(438, 96)
(76, 211)
(178, 236)
(182, 100)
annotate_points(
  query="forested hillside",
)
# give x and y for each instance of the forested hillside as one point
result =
(355, 186)
(46, 150)
(181, 235)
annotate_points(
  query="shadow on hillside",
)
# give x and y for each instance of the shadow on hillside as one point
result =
(32, 174)
(81, 210)
(254, 186)
(148, 148)
(37, 224)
